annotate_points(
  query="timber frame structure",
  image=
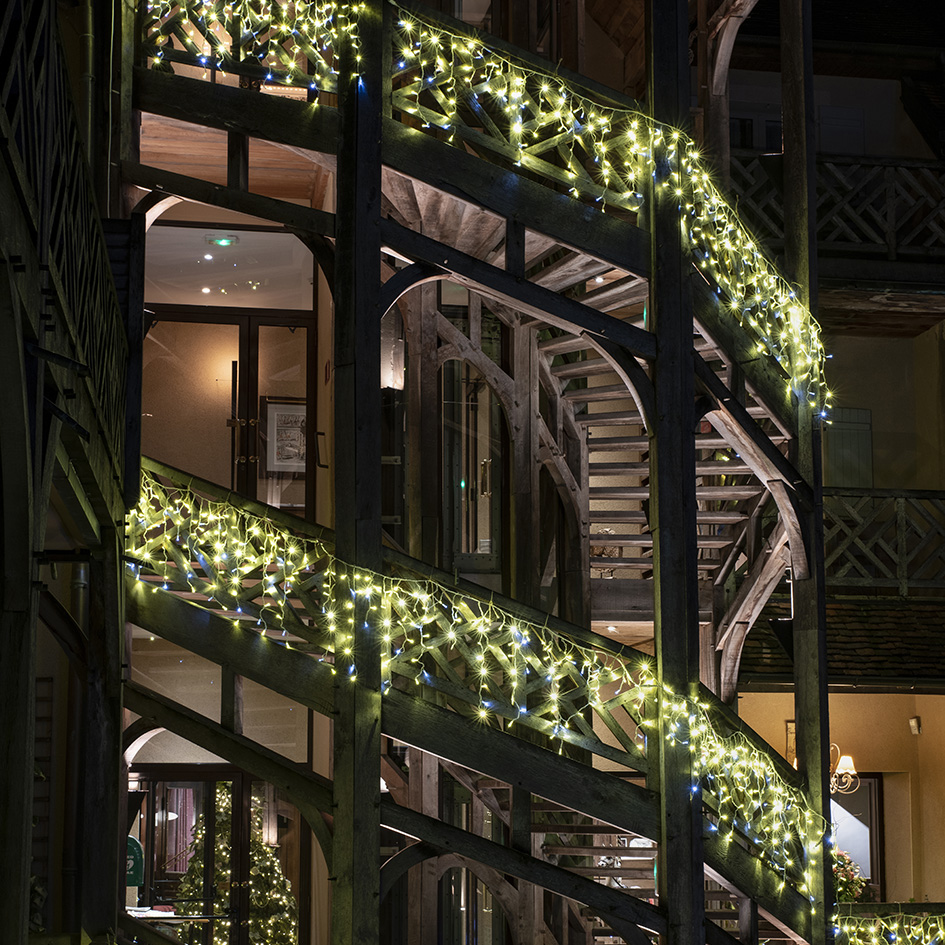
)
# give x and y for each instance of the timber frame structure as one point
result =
(654, 370)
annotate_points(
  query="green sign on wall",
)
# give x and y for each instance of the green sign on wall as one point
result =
(134, 863)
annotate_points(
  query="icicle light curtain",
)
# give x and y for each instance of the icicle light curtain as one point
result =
(455, 84)
(510, 672)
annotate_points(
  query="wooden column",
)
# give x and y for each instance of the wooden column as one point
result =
(800, 251)
(21, 535)
(103, 834)
(17, 674)
(526, 575)
(424, 793)
(423, 425)
(673, 502)
(357, 729)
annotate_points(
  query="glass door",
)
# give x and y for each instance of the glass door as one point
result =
(224, 856)
(279, 432)
(226, 396)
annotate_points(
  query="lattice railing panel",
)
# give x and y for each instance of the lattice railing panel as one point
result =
(487, 658)
(294, 43)
(284, 581)
(887, 208)
(884, 539)
(48, 158)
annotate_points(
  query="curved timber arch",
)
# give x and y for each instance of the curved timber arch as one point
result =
(136, 736)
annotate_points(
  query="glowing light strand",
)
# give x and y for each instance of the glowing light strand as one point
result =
(292, 43)
(605, 154)
(609, 156)
(894, 929)
(505, 670)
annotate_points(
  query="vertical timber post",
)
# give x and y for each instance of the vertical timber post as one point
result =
(800, 251)
(673, 501)
(357, 721)
(103, 837)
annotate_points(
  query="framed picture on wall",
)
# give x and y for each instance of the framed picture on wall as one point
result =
(282, 436)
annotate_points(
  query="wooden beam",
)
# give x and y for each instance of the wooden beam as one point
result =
(521, 764)
(767, 381)
(17, 677)
(280, 668)
(231, 701)
(268, 117)
(364, 95)
(599, 898)
(735, 868)
(514, 196)
(758, 585)
(310, 792)
(523, 425)
(522, 295)
(800, 254)
(424, 792)
(734, 422)
(102, 855)
(216, 195)
(673, 492)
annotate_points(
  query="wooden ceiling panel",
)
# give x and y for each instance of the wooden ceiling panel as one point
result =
(200, 152)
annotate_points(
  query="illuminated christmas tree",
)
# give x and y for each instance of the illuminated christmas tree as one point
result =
(272, 910)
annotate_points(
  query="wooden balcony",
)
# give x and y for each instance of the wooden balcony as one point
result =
(881, 541)
(880, 221)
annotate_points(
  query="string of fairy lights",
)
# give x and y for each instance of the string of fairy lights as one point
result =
(296, 43)
(266, 579)
(611, 155)
(896, 929)
(455, 83)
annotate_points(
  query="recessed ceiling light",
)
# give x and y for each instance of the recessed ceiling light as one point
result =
(599, 279)
(208, 255)
(205, 290)
(611, 629)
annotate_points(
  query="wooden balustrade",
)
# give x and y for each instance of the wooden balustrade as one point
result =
(46, 159)
(876, 538)
(889, 208)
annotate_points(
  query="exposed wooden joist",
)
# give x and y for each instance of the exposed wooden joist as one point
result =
(269, 117)
(212, 636)
(519, 763)
(266, 208)
(598, 897)
(310, 792)
(519, 293)
(601, 235)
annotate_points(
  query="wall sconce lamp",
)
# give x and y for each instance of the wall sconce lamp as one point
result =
(843, 776)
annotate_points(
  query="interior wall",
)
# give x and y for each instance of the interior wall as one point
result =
(853, 370)
(931, 750)
(603, 59)
(874, 729)
(853, 115)
(929, 350)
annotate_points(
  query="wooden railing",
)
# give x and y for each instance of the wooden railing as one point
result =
(478, 93)
(871, 923)
(46, 160)
(488, 657)
(877, 538)
(889, 208)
